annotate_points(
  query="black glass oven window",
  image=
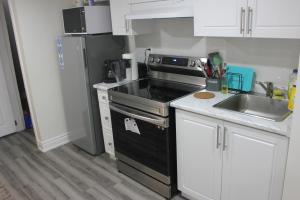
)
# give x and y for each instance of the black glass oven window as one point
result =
(150, 147)
(157, 90)
(74, 20)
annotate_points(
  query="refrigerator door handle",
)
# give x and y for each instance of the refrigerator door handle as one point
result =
(84, 57)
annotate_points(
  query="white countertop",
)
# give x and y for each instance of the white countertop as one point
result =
(205, 107)
(107, 86)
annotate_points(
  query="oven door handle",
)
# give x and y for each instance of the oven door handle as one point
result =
(163, 122)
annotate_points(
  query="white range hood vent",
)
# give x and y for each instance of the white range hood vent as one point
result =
(161, 9)
(160, 14)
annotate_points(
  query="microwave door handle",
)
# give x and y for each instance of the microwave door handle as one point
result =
(131, 113)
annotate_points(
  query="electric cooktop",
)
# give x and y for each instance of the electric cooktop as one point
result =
(157, 90)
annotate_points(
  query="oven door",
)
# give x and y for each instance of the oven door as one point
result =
(146, 148)
(74, 20)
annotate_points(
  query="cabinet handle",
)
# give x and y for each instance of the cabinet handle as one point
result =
(242, 28)
(250, 20)
(218, 137)
(224, 140)
(126, 24)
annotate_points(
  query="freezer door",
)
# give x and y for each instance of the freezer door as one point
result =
(76, 95)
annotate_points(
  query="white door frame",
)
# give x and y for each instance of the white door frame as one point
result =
(11, 6)
(9, 72)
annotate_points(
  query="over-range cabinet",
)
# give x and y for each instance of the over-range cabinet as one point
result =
(81, 65)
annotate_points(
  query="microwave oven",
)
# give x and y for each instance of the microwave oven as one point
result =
(87, 20)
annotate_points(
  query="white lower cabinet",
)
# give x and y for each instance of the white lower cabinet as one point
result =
(197, 156)
(224, 161)
(106, 122)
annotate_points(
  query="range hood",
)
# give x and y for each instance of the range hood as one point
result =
(160, 9)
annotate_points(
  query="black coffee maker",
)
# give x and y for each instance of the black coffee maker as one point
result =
(115, 70)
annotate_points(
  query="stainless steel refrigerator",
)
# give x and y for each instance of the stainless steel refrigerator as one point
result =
(81, 62)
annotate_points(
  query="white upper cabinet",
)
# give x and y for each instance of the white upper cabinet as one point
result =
(198, 157)
(253, 164)
(118, 10)
(121, 25)
(220, 18)
(247, 18)
(274, 18)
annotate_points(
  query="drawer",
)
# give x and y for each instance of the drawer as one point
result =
(108, 142)
(103, 97)
(105, 117)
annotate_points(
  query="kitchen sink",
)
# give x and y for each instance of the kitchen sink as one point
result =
(257, 106)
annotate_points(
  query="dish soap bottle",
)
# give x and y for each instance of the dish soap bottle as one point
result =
(292, 89)
(292, 98)
(292, 81)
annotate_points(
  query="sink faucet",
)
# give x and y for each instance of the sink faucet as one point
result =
(268, 87)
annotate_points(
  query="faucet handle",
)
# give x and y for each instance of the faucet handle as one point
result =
(268, 86)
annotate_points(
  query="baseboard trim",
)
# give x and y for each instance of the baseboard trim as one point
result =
(53, 143)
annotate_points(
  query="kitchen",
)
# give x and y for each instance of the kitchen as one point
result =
(272, 53)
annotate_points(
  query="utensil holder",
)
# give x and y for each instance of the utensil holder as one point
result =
(213, 84)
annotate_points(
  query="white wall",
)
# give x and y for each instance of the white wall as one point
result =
(273, 59)
(172, 36)
(292, 180)
(37, 23)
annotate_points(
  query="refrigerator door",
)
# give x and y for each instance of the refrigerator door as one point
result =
(98, 49)
(76, 95)
(81, 62)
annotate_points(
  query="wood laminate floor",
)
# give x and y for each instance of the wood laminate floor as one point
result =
(63, 173)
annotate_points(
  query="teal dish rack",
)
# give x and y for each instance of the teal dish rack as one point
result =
(240, 78)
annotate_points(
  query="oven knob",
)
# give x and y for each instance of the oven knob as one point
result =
(157, 60)
(193, 64)
(151, 59)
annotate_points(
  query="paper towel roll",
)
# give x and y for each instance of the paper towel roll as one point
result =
(127, 56)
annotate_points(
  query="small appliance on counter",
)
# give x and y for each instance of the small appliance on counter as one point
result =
(115, 70)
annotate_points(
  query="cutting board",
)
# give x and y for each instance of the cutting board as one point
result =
(247, 77)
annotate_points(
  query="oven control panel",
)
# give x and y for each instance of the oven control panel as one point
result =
(192, 63)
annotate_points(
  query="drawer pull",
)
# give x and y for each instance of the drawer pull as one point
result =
(218, 137)
(224, 140)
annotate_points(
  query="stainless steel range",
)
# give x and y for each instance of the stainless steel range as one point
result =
(144, 123)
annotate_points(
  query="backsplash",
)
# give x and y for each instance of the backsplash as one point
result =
(272, 59)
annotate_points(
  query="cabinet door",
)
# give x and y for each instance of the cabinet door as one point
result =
(119, 9)
(253, 164)
(198, 158)
(220, 18)
(274, 18)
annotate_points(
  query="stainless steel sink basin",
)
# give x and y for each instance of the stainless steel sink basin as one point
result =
(257, 106)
